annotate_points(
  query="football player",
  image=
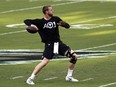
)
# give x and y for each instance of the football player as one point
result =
(48, 29)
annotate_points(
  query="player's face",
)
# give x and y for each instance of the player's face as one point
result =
(50, 11)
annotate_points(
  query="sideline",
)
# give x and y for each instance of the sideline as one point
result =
(82, 55)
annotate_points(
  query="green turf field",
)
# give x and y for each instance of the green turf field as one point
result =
(93, 27)
(90, 72)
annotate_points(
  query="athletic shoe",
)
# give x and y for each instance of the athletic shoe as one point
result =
(71, 79)
(30, 81)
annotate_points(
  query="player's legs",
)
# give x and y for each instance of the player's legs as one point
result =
(43, 63)
(37, 69)
(73, 60)
(47, 54)
(66, 51)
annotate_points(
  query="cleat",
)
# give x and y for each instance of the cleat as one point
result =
(71, 79)
(30, 81)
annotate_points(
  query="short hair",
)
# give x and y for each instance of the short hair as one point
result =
(45, 8)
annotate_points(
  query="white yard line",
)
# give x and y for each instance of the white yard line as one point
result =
(12, 32)
(73, 26)
(101, 46)
(51, 78)
(16, 25)
(87, 79)
(17, 77)
(33, 0)
(97, 19)
(23, 9)
(90, 26)
(109, 84)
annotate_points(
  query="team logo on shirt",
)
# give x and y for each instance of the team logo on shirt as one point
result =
(50, 25)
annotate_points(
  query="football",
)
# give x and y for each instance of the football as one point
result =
(32, 29)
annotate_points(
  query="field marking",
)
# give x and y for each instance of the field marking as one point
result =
(23, 9)
(21, 25)
(90, 26)
(79, 26)
(17, 77)
(109, 84)
(51, 78)
(83, 56)
(18, 62)
(33, 0)
(12, 32)
(87, 79)
(97, 19)
(106, 45)
(72, 26)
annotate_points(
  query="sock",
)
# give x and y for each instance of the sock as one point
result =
(32, 76)
(70, 72)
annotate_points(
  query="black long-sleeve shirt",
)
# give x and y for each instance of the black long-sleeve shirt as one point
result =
(48, 29)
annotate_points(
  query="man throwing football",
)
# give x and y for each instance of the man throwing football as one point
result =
(48, 29)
